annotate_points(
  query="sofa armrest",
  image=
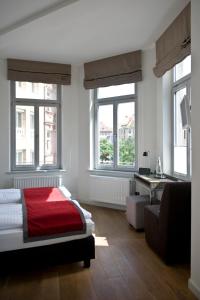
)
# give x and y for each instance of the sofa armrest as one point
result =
(175, 221)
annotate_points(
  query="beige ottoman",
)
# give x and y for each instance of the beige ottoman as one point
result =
(135, 210)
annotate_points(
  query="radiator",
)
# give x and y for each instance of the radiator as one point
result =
(37, 181)
(111, 189)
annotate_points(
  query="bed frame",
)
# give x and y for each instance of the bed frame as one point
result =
(48, 255)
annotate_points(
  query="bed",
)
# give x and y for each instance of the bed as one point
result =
(13, 249)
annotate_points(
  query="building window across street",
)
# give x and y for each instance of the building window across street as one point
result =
(115, 127)
(35, 123)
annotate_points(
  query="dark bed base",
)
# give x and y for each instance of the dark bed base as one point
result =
(45, 256)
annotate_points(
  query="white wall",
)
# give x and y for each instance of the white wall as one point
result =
(147, 122)
(70, 132)
(194, 282)
(84, 140)
(164, 120)
(4, 125)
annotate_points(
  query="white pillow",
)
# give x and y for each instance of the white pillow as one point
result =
(65, 191)
(85, 212)
(11, 216)
(10, 196)
(11, 209)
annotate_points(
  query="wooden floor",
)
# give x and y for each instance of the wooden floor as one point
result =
(124, 269)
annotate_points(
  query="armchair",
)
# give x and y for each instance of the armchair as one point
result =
(168, 225)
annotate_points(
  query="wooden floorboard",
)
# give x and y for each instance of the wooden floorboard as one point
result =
(125, 268)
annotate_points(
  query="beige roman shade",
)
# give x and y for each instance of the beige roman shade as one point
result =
(120, 69)
(35, 71)
(174, 44)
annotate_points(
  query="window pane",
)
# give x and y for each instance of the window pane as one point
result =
(180, 160)
(47, 136)
(105, 135)
(117, 90)
(180, 136)
(183, 68)
(24, 116)
(126, 134)
(35, 90)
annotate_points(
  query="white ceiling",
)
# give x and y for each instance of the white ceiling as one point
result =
(77, 31)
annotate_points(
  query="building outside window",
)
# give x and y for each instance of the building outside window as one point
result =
(35, 139)
(181, 134)
(20, 121)
(115, 127)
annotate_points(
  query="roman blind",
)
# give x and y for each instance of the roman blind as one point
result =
(175, 43)
(35, 71)
(120, 69)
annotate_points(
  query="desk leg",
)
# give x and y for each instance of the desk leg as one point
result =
(152, 195)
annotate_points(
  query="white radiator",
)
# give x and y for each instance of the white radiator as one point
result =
(110, 189)
(37, 181)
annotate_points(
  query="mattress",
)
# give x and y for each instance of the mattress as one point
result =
(12, 239)
(11, 223)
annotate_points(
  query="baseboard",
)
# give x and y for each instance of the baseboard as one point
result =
(194, 288)
(103, 204)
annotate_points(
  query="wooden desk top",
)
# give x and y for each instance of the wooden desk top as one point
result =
(151, 181)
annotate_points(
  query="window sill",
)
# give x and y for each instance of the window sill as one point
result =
(37, 171)
(109, 173)
(178, 177)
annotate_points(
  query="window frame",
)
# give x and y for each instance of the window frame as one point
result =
(114, 101)
(36, 103)
(184, 82)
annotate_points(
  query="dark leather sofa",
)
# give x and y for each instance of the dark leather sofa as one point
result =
(168, 225)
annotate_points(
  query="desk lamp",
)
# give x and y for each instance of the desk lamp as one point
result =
(146, 170)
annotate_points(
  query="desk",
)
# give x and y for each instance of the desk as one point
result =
(150, 183)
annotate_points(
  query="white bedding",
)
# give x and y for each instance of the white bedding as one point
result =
(11, 222)
(10, 196)
(14, 195)
(11, 215)
(65, 191)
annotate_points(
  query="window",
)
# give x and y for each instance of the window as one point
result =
(181, 136)
(35, 126)
(182, 69)
(115, 113)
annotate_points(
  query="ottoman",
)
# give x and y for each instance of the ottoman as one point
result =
(135, 210)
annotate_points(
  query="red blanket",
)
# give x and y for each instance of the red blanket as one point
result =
(48, 214)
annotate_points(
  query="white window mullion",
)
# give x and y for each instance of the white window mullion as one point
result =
(115, 138)
(96, 140)
(13, 135)
(189, 152)
(13, 126)
(36, 146)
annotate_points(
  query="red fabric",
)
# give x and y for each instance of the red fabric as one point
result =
(49, 212)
